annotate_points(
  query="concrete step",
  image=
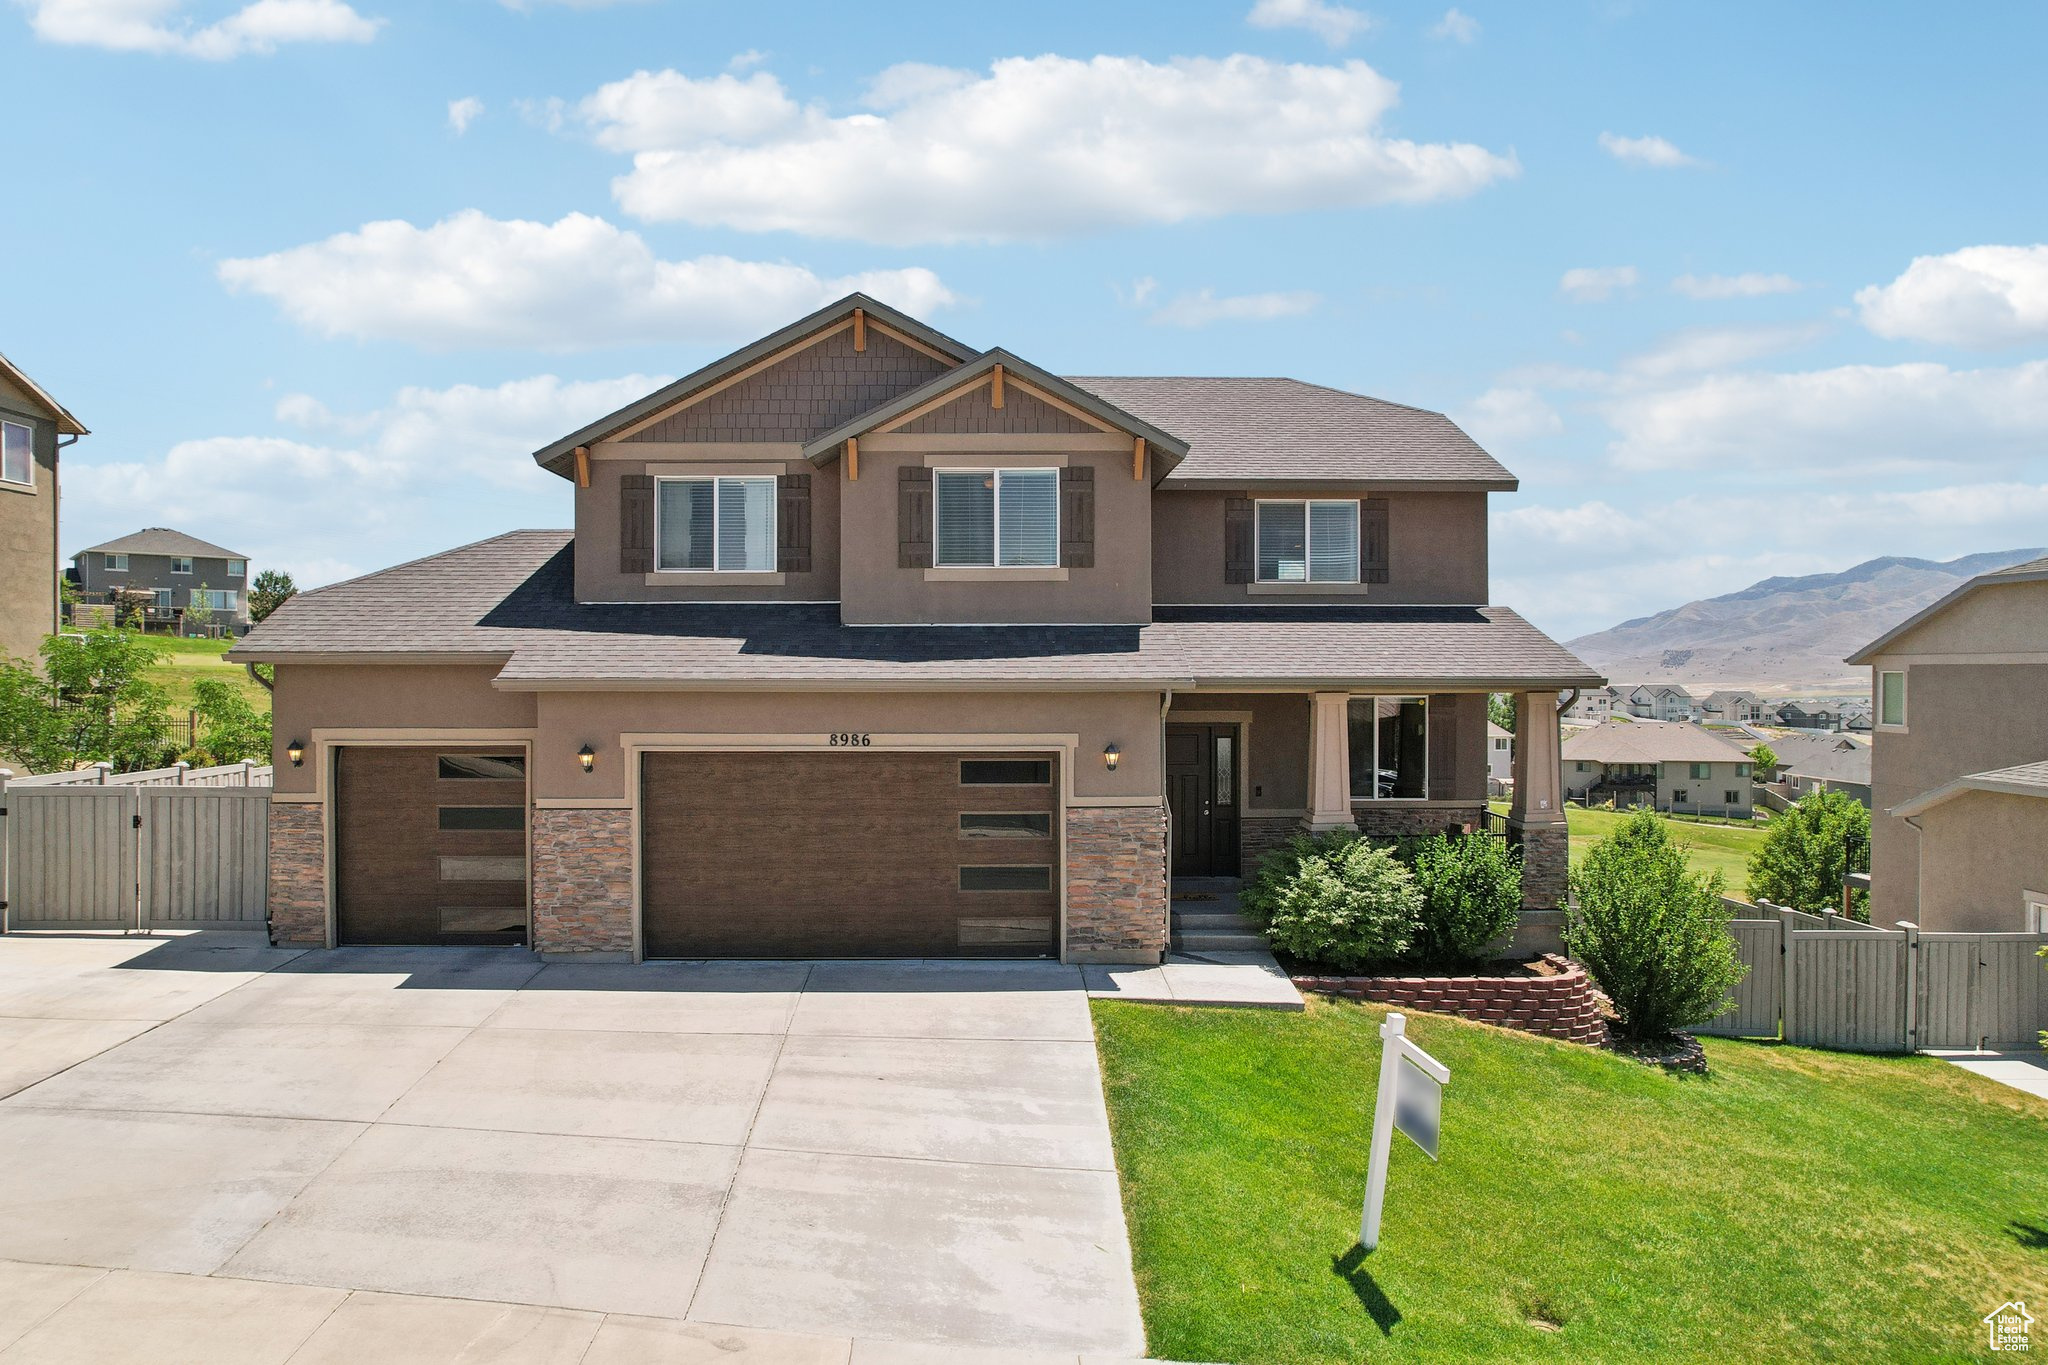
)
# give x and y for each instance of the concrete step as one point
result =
(1209, 919)
(1218, 942)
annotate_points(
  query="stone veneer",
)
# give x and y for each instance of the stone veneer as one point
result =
(1395, 821)
(1258, 835)
(1559, 1006)
(298, 874)
(1116, 883)
(583, 881)
(1546, 865)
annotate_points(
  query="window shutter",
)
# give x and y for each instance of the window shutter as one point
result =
(1373, 559)
(1237, 540)
(1077, 516)
(913, 517)
(636, 523)
(793, 523)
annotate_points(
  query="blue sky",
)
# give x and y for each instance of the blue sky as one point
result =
(1736, 289)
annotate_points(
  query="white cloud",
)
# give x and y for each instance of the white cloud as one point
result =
(473, 280)
(1848, 422)
(1506, 413)
(161, 26)
(667, 109)
(1336, 25)
(431, 469)
(1981, 296)
(1712, 348)
(1596, 284)
(744, 61)
(1644, 151)
(525, 5)
(1751, 285)
(1204, 307)
(1457, 26)
(463, 112)
(1036, 148)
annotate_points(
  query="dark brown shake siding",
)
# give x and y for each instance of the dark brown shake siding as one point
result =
(28, 534)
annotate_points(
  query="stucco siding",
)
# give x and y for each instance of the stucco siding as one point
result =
(28, 535)
(426, 697)
(2001, 618)
(1983, 852)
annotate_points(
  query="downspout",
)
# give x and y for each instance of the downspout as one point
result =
(267, 684)
(1166, 817)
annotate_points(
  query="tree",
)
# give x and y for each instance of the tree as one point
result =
(1763, 761)
(1653, 933)
(1809, 849)
(1500, 709)
(268, 592)
(90, 701)
(199, 615)
(229, 728)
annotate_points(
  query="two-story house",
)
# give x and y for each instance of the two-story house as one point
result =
(171, 579)
(870, 643)
(1959, 759)
(33, 428)
(1732, 707)
(1659, 701)
(1595, 704)
(1669, 765)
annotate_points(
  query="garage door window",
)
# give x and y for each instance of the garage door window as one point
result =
(1037, 878)
(992, 825)
(482, 768)
(457, 818)
(1005, 772)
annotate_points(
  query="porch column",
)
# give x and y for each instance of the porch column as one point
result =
(1329, 762)
(1536, 816)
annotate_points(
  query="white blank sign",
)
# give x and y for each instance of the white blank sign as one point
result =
(1418, 1106)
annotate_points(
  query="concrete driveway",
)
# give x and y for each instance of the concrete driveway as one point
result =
(850, 1152)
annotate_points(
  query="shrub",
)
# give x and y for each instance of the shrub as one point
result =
(1471, 888)
(1335, 900)
(1653, 933)
(1809, 848)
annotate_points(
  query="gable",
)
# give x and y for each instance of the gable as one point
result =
(810, 389)
(12, 395)
(1993, 618)
(974, 411)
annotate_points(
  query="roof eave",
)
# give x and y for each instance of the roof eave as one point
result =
(242, 654)
(1360, 483)
(628, 683)
(67, 425)
(550, 456)
(1870, 652)
(1962, 785)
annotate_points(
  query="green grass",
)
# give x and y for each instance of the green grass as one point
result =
(1793, 1205)
(1710, 845)
(191, 660)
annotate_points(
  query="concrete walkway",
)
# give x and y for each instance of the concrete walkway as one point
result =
(2026, 1071)
(874, 1157)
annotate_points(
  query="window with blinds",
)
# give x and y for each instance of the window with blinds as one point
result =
(996, 518)
(1308, 541)
(724, 525)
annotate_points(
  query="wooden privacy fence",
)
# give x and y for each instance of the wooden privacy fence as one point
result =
(1825, 981)
(135, 851)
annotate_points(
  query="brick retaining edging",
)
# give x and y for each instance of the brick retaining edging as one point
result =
(1561, 1006)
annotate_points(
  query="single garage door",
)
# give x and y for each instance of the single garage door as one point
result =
(430, 845)
(849, 854)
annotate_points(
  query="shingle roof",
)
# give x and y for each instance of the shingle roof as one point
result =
(162, 540)
(1651, 741)
(1241, 430)
(1851, 764)
(2025, 779)
(512, 598)
(2032, 571)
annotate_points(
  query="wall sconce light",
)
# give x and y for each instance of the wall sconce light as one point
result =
(587, 756)
(1111, 756)
(296, 752)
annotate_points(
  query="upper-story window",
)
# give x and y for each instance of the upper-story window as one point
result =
(1308, 540)
(996, 518)
(116, 563)
(1891, 698)
(181, 564)
(237, 568)
(17, 453)
(722, 525)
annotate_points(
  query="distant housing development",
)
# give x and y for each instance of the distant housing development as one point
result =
(1671, 765)
(166, 579)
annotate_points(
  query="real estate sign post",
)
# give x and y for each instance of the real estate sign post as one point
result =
(1411, 1099)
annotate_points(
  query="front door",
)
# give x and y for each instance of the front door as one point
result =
(1201, 792)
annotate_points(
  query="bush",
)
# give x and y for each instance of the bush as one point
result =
(1471, 888)
(1653, 933)
(1335, 900)
(1808, 850)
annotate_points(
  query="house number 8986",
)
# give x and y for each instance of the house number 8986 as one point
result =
(844, 738)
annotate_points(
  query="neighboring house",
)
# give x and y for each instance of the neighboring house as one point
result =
(1595, 704)
(1858, 717)
(1836, 764)
(1659, 701)
(869, 643)
(1959, 761)
(165, 574)
(1809, 715)
(34, 427)
(1732, 708)
(1500, 759)
(1671, 765)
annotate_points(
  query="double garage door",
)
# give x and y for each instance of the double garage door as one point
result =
(836, 854)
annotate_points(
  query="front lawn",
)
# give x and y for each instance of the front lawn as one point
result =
(1794, 1205)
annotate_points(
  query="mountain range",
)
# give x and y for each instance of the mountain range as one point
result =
(1782, 635)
